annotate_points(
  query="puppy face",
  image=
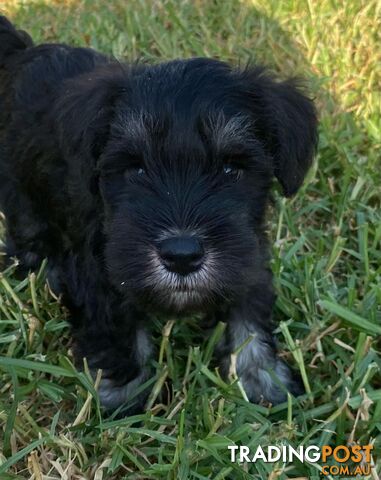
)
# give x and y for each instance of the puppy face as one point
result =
(185, 196)
(184, 172)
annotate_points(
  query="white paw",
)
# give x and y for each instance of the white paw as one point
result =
(269, 385)
(112, 396)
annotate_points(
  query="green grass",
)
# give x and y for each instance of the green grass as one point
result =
(327, 265)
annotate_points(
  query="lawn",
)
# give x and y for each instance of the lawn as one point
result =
(327, 265)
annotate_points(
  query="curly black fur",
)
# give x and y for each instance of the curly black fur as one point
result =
(103, 162)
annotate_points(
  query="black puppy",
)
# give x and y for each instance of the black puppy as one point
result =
(146, 189)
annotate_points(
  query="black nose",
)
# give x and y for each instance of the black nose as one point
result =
(182, 255)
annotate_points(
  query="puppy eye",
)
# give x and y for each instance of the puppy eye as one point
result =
(232, 171)
(134, 171)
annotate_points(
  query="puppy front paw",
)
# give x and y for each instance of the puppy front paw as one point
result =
(270, 384)
(112, 395)
(124, 359)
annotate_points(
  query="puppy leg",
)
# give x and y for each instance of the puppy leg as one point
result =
(264, 376)
(108, 331)
(123, 355)
(117, 389)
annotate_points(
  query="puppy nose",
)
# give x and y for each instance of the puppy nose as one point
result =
(182, 255)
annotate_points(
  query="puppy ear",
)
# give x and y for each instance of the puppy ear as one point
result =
(84, 111)
(286, 120)
(82, 117)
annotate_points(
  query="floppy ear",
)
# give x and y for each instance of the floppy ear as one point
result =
(286, 120)
(84, 111)
(82, 116)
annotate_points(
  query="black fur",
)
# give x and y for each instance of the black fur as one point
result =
(101, 161)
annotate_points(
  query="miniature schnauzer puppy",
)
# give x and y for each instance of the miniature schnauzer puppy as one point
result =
(146, 187)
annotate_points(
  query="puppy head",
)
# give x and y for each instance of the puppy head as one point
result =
(186, 157)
